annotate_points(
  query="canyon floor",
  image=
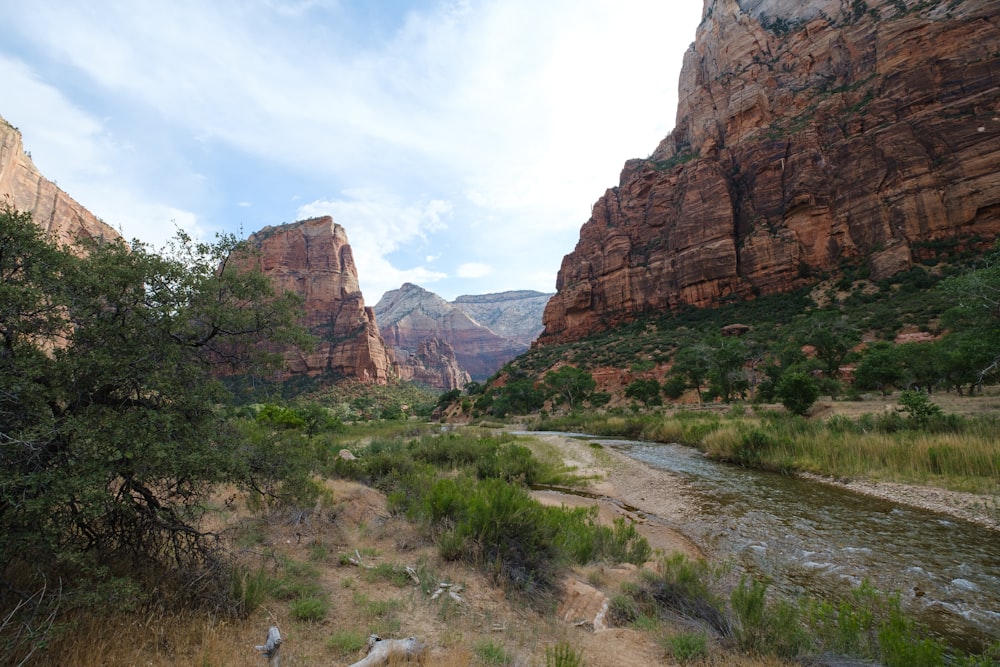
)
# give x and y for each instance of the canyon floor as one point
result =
(479, 625)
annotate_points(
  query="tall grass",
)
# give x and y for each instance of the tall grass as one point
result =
(949, 451)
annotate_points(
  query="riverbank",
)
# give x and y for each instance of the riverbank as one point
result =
(621, 486)
(973, 507)
(629, 488)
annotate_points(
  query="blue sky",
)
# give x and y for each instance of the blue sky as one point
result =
(461, 144)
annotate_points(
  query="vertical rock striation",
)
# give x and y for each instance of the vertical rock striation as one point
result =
(809, 134)
(25, 189)
(313, 259)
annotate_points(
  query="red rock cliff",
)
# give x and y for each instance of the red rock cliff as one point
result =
(25, 189)
(809, 133)
(313, 259)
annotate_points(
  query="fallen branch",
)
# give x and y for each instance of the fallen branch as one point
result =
(381, 651)
(451, 590)
(271, 649)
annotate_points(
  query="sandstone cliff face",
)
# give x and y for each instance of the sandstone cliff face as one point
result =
(808, 134)
(410, 315)
(25, 189)
(515, 315)
(433, 365)
(313, 259)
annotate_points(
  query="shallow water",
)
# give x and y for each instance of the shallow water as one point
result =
(816, 539)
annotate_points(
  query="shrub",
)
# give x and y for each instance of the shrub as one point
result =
(797, 391)
(492, 653)
(919, 407)
(646, 390)
(688, 646)
(766, 628)
(562, 655)
(346, 642)
(309, 609)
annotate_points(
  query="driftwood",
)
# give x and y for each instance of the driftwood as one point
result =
(381, 651)
(271, 649)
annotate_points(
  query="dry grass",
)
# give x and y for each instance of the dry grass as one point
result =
(313, 548)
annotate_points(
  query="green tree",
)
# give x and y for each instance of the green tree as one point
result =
(923, 364)
(832, 336)
(693, 362)
(975, 317)
(569, 385)
(797, 391)
(646, 390)
(727, 374)
(109, 432)
(880, 368)
(518, 397)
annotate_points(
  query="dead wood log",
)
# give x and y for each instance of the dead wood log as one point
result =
(272, 648)
(381, 651)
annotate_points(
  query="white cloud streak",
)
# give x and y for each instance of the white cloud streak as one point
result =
(465, 129)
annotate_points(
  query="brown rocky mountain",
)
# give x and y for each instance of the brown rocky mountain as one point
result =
(411, 315)
(809, 134)
(23, 188)
(433, 364)
(313, 259)
(516, 315)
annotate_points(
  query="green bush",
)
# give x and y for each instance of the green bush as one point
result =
(682, 586)
(346, 642)
(562, 655)
(309, 609)
(492, 653)
(797, 391)
(763, 627)
(688, 646)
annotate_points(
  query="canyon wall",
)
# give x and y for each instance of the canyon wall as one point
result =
(23, 188)
(809, 136)
(313, 259)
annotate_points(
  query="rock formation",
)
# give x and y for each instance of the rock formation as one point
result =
(433, 365)
(313, 259)
(515, 315)
(410, 315)
(23, 188)
(809, 134)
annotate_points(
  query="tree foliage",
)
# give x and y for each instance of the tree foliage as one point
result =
(569, 385)
(797, 391)
(109, 432)
(646, 390)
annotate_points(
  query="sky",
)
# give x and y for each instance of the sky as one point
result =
(460, 143)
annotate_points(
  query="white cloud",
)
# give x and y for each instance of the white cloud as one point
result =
(473, 270)
(377, 225)
(509, 115)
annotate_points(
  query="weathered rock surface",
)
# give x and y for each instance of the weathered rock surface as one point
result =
(433, 365)
(25, 189)
(516, 315)
(410, 315)
(809, 134)
(313, 259)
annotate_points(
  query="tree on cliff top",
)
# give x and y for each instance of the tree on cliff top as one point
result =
(109, 430)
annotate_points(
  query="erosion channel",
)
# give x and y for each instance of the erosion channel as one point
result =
(810, 538)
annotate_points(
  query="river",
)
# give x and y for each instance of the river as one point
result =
(815, 539)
